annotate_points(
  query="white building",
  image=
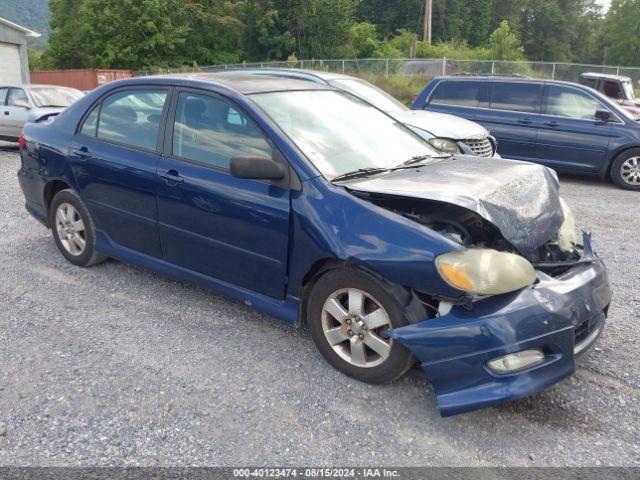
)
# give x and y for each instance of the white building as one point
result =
(14, 63)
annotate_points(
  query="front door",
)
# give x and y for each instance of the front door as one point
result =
(114, 158)
(512, 116)
(569, 135)
(231, 229)
(16, 112)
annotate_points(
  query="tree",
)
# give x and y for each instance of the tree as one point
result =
(504, 44)
(622, 32)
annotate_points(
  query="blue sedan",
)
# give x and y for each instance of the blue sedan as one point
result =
(317, 208)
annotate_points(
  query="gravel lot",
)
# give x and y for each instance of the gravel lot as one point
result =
(114, 365)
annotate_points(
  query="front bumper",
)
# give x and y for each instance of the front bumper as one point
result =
(562, 316)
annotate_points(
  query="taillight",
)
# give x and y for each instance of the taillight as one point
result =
(22, 142)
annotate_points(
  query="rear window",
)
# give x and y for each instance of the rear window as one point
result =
(589, 82)
(130, 117)
(519, 97)
(456, 93)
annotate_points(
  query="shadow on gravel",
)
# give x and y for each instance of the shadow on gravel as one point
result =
(8, 147)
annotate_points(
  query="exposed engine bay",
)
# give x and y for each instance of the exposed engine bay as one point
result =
(469, 229)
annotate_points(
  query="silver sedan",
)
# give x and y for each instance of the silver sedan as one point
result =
(20, 104)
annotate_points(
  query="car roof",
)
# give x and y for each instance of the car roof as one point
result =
(317, 76)
(241, 82)
(605, 75)
(489, 78)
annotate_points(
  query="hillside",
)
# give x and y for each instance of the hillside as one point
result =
(31, 14)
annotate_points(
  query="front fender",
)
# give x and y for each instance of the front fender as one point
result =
(329, 222)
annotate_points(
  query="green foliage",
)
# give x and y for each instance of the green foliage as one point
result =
(622, 32)
(504, 44)
(142, 34)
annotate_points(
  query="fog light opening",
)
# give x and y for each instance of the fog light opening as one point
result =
(515, 362)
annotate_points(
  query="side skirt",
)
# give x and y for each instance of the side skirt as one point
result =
(286, 310)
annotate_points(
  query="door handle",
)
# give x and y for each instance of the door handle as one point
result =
(171, 177)
(551, 123)
(82, 152)
(524, 121)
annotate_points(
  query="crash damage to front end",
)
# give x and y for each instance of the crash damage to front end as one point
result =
(482, 350)
(559, 316)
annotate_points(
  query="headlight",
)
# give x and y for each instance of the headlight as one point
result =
(567, 234)
(445, 145)
(484, 271)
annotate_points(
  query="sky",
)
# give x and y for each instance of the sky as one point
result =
(605, 3)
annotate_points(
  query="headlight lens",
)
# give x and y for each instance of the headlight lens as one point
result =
(445, 145)
(484, 271)
(567, 234)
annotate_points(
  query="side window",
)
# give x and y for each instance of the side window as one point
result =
(519, 97)
(3, 95)
(569, 102)
(91, 122)
(132, 117)
(612, 89)
(456, 93)
(589, 82)
(17, 94)
(210, 131)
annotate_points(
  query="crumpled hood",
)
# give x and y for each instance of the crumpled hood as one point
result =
(521, 199)
(441, 124)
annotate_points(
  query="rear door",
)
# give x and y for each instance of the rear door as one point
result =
(512, 115)
(569, 135)
(232, 229)
(114, 158)
(15, 116)
(457, 97)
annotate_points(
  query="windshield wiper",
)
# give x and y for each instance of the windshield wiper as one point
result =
(360, 172)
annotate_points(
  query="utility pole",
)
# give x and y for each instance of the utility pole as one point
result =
(426, 33)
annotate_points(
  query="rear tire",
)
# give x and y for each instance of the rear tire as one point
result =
(625, 170)
(348, 314)
(73, 229)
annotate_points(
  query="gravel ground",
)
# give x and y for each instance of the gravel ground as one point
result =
(114, 365)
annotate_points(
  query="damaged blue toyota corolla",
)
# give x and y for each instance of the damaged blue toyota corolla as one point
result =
(317, 208)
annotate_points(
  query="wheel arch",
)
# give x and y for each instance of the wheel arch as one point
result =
(50, 190)
(415, 309)
(615, 155)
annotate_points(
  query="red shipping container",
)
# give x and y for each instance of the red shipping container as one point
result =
(85, 79)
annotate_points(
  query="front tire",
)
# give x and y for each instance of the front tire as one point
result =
(625, 170)
(73, 229)
(348, 314)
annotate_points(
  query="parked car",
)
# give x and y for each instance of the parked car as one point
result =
(563, 125)
(313, 206)
(20, 104)
(616, 87)
(447, 133)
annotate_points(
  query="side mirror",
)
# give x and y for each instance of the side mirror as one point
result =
(603, 115)
(21, 103)
(256, 168)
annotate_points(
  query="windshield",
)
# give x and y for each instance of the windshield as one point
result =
(340, 133)
(629, 94)
(370, 93)
(55, 96)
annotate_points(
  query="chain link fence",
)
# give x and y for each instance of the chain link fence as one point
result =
(430, 68)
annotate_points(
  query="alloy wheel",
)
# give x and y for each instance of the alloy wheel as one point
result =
(630, 171)
(355, 324)
(70, 228)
